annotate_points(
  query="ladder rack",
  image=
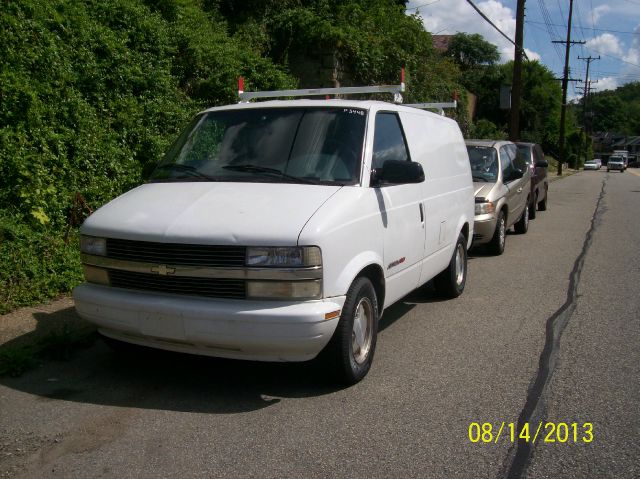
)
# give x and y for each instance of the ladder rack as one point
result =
(395, 90)
(435, 106)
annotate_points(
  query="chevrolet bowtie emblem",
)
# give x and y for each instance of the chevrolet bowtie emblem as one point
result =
(163, 269)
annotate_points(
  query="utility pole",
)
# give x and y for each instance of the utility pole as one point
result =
(585, 97)
(565, 81)
(516, 83)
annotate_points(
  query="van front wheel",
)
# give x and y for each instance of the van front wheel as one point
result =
(450, 283)
(350, 351)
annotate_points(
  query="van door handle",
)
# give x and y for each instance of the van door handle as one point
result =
(421, 213)
(519, 190)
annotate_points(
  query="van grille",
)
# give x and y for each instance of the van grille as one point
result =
(209, 287)
(176, 253)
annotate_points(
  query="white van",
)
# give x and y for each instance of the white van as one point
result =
(282, 229)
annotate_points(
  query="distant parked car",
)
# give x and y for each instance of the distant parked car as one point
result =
(616, 163)
(534, 157)
(592, 164)
(501, 180)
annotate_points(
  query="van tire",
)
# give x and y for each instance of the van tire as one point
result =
(496, 245)
(522, 225)
(360, 309)
(450, 283)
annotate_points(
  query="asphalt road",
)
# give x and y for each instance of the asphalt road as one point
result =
(549, 331)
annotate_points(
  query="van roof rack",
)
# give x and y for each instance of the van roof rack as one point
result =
(396, 90)
(435, 106)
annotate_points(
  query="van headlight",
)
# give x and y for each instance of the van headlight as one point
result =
(284, 257)
(308, 289)
(93, 245)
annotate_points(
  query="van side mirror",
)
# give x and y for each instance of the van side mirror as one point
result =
(397, 172)
(542, 164)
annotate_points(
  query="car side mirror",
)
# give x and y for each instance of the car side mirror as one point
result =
(542, 164)
(397, 172)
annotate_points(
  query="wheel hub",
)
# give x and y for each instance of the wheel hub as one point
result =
(362, 332)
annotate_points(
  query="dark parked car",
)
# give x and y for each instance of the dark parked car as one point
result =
(534, 156)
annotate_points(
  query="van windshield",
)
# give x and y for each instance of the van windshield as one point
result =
(301, 145)
(484, 163)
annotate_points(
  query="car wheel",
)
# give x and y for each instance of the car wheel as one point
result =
(542, 205)
(532, 208)
(349, 353)
(450, 283)
(496, 245)
(522, 226)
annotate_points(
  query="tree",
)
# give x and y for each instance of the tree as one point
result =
(471, 50)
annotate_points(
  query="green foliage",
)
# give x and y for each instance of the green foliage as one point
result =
(470, 51)
(484, 129)
(35, 263)
(616, 111)
(91, 93)
(540, 103)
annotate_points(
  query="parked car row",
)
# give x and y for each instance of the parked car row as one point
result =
(510, 182)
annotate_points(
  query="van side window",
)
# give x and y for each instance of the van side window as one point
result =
(388, 140)
(506, 164)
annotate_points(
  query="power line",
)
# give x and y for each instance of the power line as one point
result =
(488, 20)
(423, 5)
(612, 56)
(589, 28)
(549, 26)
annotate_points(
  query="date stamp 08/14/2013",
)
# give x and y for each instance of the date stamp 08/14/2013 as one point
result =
(545, 432)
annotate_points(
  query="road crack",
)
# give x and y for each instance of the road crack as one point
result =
(534, 408)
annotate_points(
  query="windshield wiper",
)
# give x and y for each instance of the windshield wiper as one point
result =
(270, 171)
(191, 170)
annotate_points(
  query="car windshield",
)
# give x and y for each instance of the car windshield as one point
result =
(616, 159)
(484, 163)
(590, 162)
(301, 145)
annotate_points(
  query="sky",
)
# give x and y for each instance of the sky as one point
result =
(611, 30)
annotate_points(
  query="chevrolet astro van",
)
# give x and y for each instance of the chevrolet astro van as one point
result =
(281, 230)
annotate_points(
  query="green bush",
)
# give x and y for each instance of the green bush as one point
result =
(36, 263)
(90, 94)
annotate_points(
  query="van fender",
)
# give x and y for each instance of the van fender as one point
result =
(354, 267)
(461, 222)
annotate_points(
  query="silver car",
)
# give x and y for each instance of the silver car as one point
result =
(594, 164)
(501, 180)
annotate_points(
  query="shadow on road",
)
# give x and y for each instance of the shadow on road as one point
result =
(153, 379)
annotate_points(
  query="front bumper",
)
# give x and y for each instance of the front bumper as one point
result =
(238, 329)
(615, 167)
(483, 228)
(590, 167)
